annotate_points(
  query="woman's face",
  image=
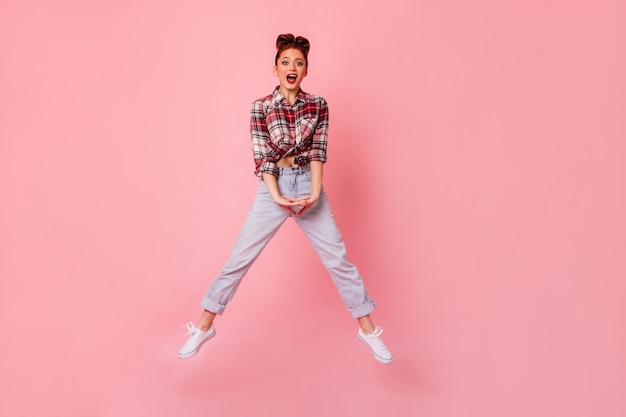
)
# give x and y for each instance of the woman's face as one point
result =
(290, 69)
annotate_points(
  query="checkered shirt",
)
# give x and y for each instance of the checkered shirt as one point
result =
(280, 129)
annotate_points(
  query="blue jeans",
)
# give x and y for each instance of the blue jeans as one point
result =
(318, 224)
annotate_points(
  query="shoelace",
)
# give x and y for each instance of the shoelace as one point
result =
(375, 338)
(191, 328)
(377, 332)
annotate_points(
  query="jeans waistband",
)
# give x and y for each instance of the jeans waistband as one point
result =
(296, 169)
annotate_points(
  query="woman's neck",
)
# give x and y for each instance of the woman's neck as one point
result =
(290, 95)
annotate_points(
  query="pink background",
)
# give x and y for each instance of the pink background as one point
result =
(476, 169)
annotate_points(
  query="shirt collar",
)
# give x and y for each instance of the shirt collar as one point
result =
(277, 97)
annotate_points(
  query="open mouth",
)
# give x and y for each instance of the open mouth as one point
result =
(292, 78)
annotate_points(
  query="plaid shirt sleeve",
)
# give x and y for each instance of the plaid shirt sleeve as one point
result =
(263, 161)
(317, 152)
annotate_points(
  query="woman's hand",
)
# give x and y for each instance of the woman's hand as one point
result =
(308, 202)
(287, 203)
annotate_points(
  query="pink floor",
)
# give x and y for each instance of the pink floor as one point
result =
(476, 170)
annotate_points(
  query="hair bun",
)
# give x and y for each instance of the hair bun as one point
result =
(303, 42)
(283, 40)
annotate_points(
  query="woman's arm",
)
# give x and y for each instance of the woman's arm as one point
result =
(262, 147)
(317, 156)
(272, 187)
(317, 174)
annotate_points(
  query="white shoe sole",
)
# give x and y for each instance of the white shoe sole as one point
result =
(193, 352)
(385, 361)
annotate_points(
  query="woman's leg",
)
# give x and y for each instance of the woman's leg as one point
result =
(365, 323)
(263, 221)
(318, 224)
(206, 320)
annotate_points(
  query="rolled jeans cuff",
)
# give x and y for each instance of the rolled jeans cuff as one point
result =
(212, 306)
(362, 310)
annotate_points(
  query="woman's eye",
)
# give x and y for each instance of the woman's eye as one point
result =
(300, 64)
(285, 63)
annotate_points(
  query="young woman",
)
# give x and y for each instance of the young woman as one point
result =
(289, 133)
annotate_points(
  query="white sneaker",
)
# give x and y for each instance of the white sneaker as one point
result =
(195, 341)
(376, 345)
